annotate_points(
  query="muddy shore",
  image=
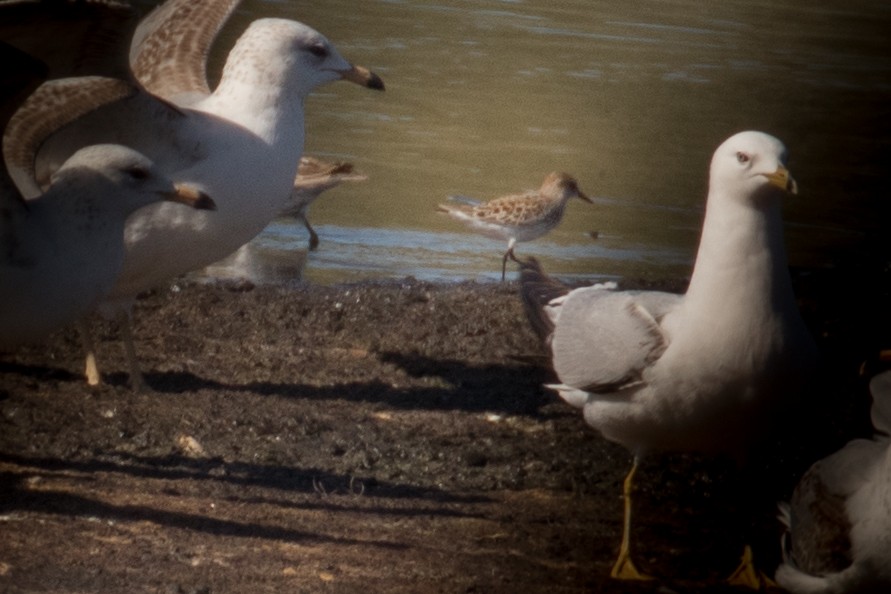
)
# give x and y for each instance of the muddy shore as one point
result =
(390, 437)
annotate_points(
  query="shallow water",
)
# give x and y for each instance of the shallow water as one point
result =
(485, 97)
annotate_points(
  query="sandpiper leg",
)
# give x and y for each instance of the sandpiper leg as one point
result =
(313, 237)
(508, 254)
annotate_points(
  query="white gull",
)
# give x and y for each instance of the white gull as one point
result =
(839, 519)
(62, 252)
(694, 372)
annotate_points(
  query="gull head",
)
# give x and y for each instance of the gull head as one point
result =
(123, 179)
(284, 52)
(562, 186)
(750, 166)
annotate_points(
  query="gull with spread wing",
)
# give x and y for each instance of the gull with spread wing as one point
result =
(241, 142)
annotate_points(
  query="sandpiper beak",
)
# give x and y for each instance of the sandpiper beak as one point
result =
(583, 196)
(190, 196)
(782, 179)
(363, 77)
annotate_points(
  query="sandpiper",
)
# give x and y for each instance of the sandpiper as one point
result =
(315, 176)
(519, 217)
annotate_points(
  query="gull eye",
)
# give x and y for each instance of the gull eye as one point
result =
(318, 50)
(138, 173)
(742, 158)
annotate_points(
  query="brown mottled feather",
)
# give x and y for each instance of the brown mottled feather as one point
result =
(821, 528)
(514, 210)
(52, 106)
(168, 54)
(312, 167)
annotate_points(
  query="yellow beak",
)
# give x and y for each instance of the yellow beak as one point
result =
(363, 77)
(782, 179)
(191, 196)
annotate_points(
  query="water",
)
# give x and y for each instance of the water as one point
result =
(485, 97)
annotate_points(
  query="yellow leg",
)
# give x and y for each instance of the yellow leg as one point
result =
(624, 568)
(91, 369)
(747, 575)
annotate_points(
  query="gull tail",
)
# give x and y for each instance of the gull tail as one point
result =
(798, 582)
(537, 290)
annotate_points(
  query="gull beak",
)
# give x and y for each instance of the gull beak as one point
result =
(782, 179)
(363, 77)
(190, 196)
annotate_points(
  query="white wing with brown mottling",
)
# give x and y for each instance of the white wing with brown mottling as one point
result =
(168, 54)
(51, 107)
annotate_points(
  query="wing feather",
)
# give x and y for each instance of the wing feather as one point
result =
(169, 50)
(54, 105)
(63, 115)
(604, 339)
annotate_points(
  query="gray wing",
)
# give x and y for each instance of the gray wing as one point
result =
(604, 339)
(168, 53)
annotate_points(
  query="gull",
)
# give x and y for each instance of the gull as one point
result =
(518, 217)
(656, 371)
(61, 252)
(839, 519)
(241, 142)
(315, 176)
